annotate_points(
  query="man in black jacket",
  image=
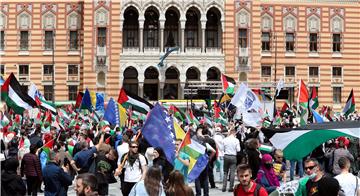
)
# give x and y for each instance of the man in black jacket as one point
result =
(11, 183)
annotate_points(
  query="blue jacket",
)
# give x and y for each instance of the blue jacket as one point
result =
(56, 180)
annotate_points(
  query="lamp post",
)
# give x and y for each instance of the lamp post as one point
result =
(53, 71)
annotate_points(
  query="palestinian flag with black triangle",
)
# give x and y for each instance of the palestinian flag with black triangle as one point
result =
(137, 103)
(14, 97)
(350, 104)
(228, 84)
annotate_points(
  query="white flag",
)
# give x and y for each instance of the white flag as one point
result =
(246, 100)
(280, 85)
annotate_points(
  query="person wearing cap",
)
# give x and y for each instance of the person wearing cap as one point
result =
(337, 154)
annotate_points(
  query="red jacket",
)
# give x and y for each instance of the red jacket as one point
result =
(239, 191)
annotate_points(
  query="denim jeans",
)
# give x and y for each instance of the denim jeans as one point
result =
(202, 182)
(300, 166)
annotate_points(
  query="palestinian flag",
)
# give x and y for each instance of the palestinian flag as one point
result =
(350, 104)
(191, 118)
(137, 103)
(300, 142)
(46, 105)
(285, 107)
(303, 99)
(314, 102)
(228, 84)
(177, 113)
(14, 97)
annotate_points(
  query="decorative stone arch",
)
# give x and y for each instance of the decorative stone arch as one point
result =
(266, 22)
(101, 17)
(313, 23)
(193, 73)
(243, 77)
(197, 6)
(73, 20)
(3, 20)
(175, 5)
(126, 6)
(24, 20)
(220, 9)
(213, 74)
(290, 23)
(243, 19)
(101, 79)
(153, 4)
(337, 24)
(49, 20)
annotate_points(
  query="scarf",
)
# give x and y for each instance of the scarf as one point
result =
(269, 173)
(132, 158)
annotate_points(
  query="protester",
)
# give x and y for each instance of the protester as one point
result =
(279, 165)
(266, 175)
(123, 148)
(134, 167)
(231, 148)
(161, 162)
(253, 156)
(349, 183)
(151, 185)
(11, 183)
(219, 137)
(86, 185)
(176, 187)
(337, 154)
(56, 178)
(182, 161)
(247, 187)
(105, 165)
(30, 167)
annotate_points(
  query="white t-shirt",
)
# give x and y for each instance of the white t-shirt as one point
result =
(133, 173)
(348, 183)
(231, 145)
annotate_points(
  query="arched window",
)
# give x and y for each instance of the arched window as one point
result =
(101, 79)
(192, 28)
(130, 82)
(131, 28)
(213, 74)
(213, 28)
(192, 74)
(151, 28)
(171, 31)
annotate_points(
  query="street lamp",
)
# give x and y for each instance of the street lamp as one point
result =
(53, 71)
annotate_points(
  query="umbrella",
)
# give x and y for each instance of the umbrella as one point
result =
(300, 142)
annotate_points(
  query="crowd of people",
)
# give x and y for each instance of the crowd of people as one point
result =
(91, 155)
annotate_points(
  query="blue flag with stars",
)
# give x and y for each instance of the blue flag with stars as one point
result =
(159, 131)
(112, 113)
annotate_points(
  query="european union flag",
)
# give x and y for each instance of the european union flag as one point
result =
(158, 130)
(86, 101)
(112, 113)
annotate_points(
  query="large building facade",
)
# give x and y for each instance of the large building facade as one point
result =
(106, 45)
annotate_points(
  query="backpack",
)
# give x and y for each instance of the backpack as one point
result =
(123, 169)
(256, 193)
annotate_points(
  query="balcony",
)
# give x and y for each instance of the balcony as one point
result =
(243, 51)
(130, 50)
(47, 77)
(213, 50)
(336, 79)
(193, 50)
(24, 78)
(101, 51)
(151, 50)
(73, 78)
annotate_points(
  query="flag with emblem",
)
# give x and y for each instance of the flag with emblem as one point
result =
(159, 131)
(303, 98)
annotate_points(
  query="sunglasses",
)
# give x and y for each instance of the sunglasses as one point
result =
(134, 147)
(310, 167)
(278, 157)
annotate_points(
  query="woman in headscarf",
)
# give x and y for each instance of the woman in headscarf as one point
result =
(161, 162)
(266, 175)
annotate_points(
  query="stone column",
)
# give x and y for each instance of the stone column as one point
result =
(141, 89)
(161, 90)
(182, 27)
(162, 24)
(141, 34)
(181, 90)
(203, 27)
